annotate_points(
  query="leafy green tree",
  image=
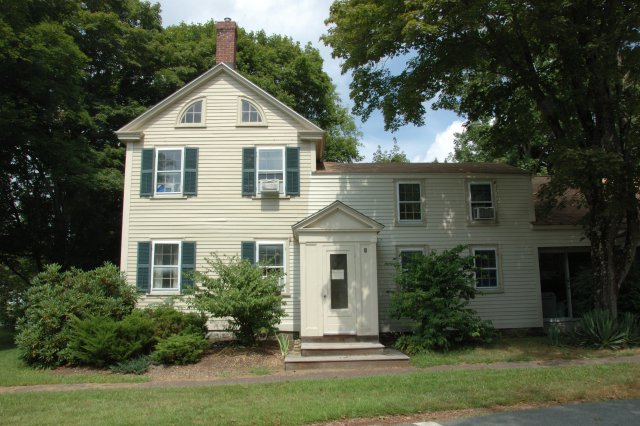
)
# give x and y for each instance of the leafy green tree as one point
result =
(396, 155)
(565, 73)
(237, 290)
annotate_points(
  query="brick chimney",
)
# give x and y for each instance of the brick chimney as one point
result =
(226, 35)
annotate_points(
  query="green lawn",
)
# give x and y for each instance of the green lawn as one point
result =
(293, 403)
(14, 373)
(514, 349)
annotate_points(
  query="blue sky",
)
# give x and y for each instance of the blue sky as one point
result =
(303, 21)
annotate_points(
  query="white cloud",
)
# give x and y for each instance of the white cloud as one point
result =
(443, 144)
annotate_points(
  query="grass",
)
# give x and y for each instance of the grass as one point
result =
(260, 371)
(293, 403)
(514, 349)
(15, 373)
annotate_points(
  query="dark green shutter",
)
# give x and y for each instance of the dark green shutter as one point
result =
(190, 171)
(143, 274)
(146, 174)
(248, 171)
(248, 251)
(188, 264)
(293, 171)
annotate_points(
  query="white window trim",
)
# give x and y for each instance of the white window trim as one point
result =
(153, 290)
(498, 287)
(241, 123)
(285, 251)
(284, 171)
(155, 173)
(422, 213)
(203, 114)
(493, 202)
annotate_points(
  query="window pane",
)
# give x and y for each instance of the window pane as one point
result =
(487, 274)
(169, 182)
(271, 254)
(410, 211)
(250, 113)
(165, 278)
(409, 192)
(166, 254)
(270, 159)
(169, 160)
(485, 258)
(408, 256)
(193, 114)
(481, 192)
(339, 281)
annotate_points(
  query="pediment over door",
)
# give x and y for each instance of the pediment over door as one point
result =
(337, 217)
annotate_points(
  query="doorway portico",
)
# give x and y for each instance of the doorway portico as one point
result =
(338, 273)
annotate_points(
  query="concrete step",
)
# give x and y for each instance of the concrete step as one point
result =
(340, 348)
(389, 358)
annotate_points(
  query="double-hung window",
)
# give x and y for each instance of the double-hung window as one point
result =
(481, 201)
(486, 262)
(169, 171)
(409, 202)
(166, 266)
(270, 170)
(270, 256)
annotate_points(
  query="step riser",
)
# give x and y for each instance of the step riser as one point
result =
(319, 365)
(340, 338)
(330, 352)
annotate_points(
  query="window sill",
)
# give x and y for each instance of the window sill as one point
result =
(411, 223)
(168, 196)
(191, 126)
(164, 293)
(482, 222)
(485, 291)
(271, 197)
(251, 125)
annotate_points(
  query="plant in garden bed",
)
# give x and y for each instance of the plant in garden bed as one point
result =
(240, 291)
(434, 291)
(599, 329)
(180, 349)
(138, 365)
(56, 297)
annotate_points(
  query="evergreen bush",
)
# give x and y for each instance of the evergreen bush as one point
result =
(55, 297)
(168, 321)
(180, 349)
(103, 341)
(138, 365)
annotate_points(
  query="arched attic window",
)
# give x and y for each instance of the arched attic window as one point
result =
(251, 114)
(192, 114)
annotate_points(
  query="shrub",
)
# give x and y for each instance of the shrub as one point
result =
(138, 365)
(180, 349)
(630, 325)
(168, 321)
(434, 290)
(599, 329)
(55, 297)
(103, 341)
(238, 290)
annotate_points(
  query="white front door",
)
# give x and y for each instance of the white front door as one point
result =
(339, 281)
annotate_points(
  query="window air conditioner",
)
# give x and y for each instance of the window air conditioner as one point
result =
(483, 213)
(269, 186)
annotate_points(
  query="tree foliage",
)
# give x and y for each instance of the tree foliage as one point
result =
(395, 155)
(237, 290)
(560, 78)
(434, 291)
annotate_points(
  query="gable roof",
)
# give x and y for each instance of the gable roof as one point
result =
(490, 168)
(569, 212)
(346, 219)
(133, 130)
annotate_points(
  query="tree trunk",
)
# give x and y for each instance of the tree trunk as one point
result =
(604, 276)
